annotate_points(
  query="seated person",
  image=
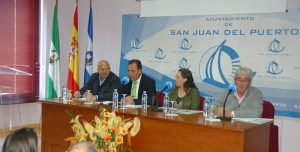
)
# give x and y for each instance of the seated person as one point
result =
(21, 140)
(82, 147)
(185, 93)
(138, 83)
(101, 83)
(246, 102)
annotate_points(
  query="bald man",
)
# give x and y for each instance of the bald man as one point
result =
(82, 147)
(101, 83)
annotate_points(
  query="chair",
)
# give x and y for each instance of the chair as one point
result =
(201, 103)
(160, 100)
(268, 112)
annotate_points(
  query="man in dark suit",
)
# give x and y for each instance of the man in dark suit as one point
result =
(101, 83)
(138, 83)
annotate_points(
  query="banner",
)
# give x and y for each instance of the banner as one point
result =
(73, 74)
(214, 47)
(89, 50)
(53, 87)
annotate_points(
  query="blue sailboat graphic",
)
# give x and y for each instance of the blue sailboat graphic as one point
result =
(275, 46)
(185, 45)
(213, 69)
(160, 54)
(184, 64)
(273, 68)
(135, 44)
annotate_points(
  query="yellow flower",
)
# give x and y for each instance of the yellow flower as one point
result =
(106, 114)
(114, 128)
(119, 139)
(105, 124)
(123, 131)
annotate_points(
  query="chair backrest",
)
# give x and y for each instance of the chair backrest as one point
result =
(160, 100)
(268, 110)
(201, 103)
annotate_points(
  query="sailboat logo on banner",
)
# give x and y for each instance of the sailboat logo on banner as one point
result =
(135, 44)
(273, 68)
(211, 69)
(185, 44)
(183, 64)
(275, 46)
(160, 54)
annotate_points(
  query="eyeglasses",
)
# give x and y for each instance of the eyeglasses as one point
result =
(242, 80)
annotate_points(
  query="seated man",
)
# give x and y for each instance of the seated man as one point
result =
(246, 102)
(138, 83)
(101, 83)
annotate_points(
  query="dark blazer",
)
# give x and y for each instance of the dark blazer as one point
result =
(146, 84)
(105, 92)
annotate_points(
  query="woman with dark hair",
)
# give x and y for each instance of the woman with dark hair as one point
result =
(185, 93)
(21, 140)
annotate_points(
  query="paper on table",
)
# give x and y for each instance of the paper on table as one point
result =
(253, 120)
(187, 112)
(106, 102)
(213, 120)
(134, 106)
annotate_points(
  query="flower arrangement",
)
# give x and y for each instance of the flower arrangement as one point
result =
(106, 132)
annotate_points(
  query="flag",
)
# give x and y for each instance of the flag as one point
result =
(53, 87)
(89, 50)
(73, 73)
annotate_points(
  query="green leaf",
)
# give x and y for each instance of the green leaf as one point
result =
(127, 149)
(69, 114)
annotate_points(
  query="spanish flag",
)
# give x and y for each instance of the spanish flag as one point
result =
(73, 74)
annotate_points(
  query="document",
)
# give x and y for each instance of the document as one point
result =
(187, 112)
(253, 120)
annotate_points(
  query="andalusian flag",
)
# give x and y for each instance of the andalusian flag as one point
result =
(73, 74)
(89, 50)
(53, 87)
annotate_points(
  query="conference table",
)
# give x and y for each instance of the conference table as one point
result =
(158, 132)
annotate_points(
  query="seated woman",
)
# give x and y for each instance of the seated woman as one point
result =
(21, 140)
(185, 93)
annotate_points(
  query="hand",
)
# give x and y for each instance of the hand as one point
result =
(129, 100)
(77, 94)
(219, 112)
(92, 97)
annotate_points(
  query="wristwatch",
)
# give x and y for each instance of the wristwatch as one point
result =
(232, 114)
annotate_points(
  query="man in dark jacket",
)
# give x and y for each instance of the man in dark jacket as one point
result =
(138, 83)
(101, 83)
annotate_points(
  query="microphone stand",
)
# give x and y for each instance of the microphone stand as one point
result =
(156, 101)
(223, 117)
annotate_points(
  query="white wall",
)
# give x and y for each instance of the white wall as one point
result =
(107, 15)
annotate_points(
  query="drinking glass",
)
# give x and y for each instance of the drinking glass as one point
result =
(172, 109)
(88, 97)
(211, 114)
(123, 102)
(69, 95)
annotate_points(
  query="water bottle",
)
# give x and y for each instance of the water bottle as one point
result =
(115, 99)
(63, 91)
(166, 103)
(144, 101)
(205, 108)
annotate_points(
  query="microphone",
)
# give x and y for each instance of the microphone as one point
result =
(231, 89)
(124, 81)
(168, 85)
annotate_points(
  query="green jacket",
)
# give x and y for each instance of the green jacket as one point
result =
(190, 101)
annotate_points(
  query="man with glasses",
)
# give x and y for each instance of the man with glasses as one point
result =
(246, 102)
(101, 83)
